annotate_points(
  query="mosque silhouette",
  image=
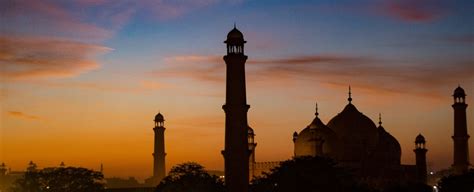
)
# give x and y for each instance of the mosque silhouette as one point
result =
(350, 138)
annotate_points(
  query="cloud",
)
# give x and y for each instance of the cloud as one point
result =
(312, 59)
(22, 115)
(360, 71)
(168, 9)
(35, 57)
(467, 39)
(415, 11)
(140, 87)
(49, 18)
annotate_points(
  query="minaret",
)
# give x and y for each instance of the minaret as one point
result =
(460, 137)
(420, 152)
(159, 149)
(252, 146)
(236, 152)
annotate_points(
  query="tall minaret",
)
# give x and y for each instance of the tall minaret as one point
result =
(420, 153)
(236, 152)
(460, 137)
(159, 151)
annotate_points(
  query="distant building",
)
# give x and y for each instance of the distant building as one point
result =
(8, 177)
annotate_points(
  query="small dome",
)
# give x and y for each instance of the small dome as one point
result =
(250, 131)
(304, 144)
(235, 34)
(420, 139)
(459, 92)
(159, 118)
(235, 37)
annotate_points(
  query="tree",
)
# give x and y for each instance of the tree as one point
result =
(308, 174)
(28, 183)
(190, 177)
(409, 187)
(60, 179)
(458, 183)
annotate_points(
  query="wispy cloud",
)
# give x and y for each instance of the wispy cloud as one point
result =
(48, 18)
(21, 115)
(467, 39)
(34, 57)
(361, 71)
(164, 9)
(143, 86)
(415, 11)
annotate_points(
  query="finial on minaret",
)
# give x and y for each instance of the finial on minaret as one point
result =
(102, 168)
(380, 119)
(316, 110)
(350, 95)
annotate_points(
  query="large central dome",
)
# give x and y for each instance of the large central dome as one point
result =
(356, 133)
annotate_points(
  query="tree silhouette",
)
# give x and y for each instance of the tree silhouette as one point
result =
(458, 183)
(409, 187)
(307, 174)
(70, 179)
(190, 177)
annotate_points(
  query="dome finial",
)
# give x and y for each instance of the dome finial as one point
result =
(350, 95)
(316, 109)
(380, 119)
(235, 25)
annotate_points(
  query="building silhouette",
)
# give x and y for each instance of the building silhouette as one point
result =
(159, 169)
(460, 137)
(354, 141)
(236, 152)
(351, 138)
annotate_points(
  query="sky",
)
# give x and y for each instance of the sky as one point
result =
(81, 81)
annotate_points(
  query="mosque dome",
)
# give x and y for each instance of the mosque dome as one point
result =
(459, 92)
(316, 130)
(159, 118)
(388, 148)
(357, 134)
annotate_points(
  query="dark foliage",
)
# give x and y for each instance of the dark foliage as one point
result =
(307, 174)
(409, 187)
(457, 183)
(190, 177)
(70, 179)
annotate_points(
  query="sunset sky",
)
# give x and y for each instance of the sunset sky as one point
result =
(81, 81)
